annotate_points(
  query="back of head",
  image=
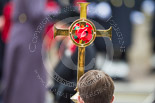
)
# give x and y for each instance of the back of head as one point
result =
(96, 87)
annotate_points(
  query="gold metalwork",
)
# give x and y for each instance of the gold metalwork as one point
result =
(83, 10)
(81, 62)
(60, 32)
(81, 50)
(104, 33)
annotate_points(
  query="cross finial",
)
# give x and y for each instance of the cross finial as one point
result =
(83, 10)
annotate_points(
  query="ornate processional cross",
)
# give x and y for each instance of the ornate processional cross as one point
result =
(82, 32)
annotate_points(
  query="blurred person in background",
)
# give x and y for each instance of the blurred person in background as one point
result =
(23, 61)
(7, 10)
(3, 14)
(1, 42)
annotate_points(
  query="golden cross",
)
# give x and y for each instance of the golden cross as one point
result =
(82, 32)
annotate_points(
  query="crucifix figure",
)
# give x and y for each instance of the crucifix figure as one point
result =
(82, 32)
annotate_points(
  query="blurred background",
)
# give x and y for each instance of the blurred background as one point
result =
(35, 67)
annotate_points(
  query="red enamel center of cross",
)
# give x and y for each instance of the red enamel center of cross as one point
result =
(83, 32)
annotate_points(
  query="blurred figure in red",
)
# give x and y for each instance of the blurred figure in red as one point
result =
(7, 12)
(4, 13)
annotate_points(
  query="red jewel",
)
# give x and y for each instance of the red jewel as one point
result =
(84, 33)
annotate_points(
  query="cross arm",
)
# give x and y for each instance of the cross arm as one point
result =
(104, 33)
(60, 32)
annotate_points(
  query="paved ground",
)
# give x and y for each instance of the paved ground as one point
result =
(139, 91)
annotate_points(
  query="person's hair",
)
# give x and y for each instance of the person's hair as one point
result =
(96, 87)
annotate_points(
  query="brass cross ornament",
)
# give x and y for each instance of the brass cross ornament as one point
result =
(82, 32)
